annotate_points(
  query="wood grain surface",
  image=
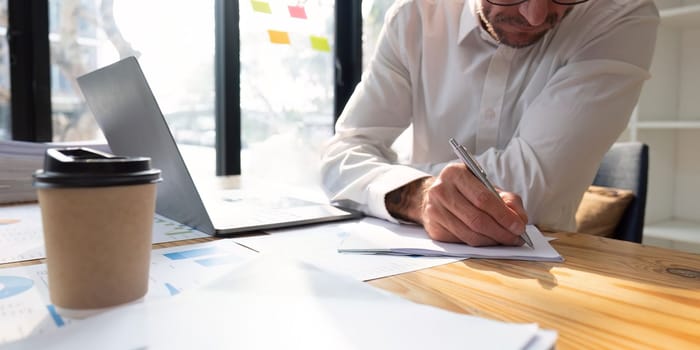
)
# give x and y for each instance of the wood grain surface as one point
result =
(608, 294)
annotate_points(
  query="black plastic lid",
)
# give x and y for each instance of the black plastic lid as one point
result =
(85, 167)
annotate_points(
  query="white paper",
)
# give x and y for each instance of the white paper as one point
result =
(373, 236)
(318, 245)
(26, 310)
(22, 238)
(275, 304)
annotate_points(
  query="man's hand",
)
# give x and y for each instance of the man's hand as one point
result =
(456, 207)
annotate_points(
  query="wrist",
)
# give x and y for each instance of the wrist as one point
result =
(406, 202)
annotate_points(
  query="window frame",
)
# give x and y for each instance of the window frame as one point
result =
(30, 70)
(348, 51)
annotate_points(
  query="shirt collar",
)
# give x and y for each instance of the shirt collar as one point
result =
(469, 21)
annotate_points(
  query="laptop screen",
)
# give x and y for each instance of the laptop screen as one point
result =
(128, 114)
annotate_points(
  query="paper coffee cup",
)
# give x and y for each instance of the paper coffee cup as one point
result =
(97, 214)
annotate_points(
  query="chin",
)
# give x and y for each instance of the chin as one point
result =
(520, 40)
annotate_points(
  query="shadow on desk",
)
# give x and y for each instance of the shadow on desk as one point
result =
(596, 256)
(601, 257)
(629, 261)
(532, 270)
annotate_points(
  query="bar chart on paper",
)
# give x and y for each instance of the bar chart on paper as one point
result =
(186, 267)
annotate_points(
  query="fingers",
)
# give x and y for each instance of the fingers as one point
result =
(484, 200)
(445, 227)
(459, 208)
(515, 203)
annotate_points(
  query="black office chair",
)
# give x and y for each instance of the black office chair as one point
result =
(626, 166)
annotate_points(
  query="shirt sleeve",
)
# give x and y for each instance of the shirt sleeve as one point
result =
(358, 164)
(565, 132)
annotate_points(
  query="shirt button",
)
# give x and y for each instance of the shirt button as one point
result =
(489, 113)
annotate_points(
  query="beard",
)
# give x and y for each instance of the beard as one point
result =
(528, 35)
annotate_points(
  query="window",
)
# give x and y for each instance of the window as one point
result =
(287, 58)
(373, 12)
(4, 75)
(286, 87)
(174, 42)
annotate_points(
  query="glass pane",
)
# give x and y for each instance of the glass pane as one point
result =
(174, 42)
(286, 87)
(5, 110)
(373, 12)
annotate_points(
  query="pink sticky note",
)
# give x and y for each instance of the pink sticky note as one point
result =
(297, 12)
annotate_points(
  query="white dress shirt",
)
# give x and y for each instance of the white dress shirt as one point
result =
(539, 119)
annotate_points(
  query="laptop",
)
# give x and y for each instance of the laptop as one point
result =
(127, 112)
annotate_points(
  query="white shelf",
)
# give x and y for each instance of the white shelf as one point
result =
(681, 17)
(674, 124)
(675, 234)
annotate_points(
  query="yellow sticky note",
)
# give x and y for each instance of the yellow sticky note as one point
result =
(261, 6)
(320, 43)
(277, 37)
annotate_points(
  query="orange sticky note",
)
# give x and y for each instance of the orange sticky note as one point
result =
(261, 6)
(297, 11)
(277, 37)
(320, 43)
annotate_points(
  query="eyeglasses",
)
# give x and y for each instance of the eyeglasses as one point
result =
(518, 2)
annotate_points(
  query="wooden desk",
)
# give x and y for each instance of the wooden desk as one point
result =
(607, 294)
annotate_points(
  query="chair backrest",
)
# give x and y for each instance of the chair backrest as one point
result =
(626, 166)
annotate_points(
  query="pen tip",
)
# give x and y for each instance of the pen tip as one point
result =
(527, 240)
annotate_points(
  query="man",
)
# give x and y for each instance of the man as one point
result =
(537, 90)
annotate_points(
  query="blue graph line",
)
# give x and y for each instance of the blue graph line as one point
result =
(220, 260)
(193, 253)
(172, 289)
(57, 319)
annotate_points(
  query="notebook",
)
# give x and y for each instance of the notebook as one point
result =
(374, 236)
(127, 112)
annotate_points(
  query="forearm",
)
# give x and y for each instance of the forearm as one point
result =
(406, 202)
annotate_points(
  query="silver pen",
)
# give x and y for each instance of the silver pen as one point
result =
(480, 174)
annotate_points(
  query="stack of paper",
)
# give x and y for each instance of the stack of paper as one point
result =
(280, 304)
(19, 161)
(373, 236)
(16, 173)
